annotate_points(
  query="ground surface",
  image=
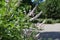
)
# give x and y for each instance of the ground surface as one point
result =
(51, 27)
(50, 32)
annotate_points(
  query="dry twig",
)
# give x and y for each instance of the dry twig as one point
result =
(36, 16)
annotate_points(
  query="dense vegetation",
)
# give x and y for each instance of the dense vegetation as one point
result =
(13, 13)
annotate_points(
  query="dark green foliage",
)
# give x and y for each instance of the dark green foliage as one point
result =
(58, 21)
(53, 9)
(49, 21)
(12, 22)
(50, 8)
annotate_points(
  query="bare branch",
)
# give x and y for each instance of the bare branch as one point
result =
(30, 13)
(36, 16)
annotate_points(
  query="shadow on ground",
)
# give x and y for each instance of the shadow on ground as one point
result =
(49, 36)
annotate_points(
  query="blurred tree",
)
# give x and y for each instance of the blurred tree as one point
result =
(53, 9)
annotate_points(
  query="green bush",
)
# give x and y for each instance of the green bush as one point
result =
(53, 9)
(12, 21)
(58, 21)
(49, 21)
(50, 8)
